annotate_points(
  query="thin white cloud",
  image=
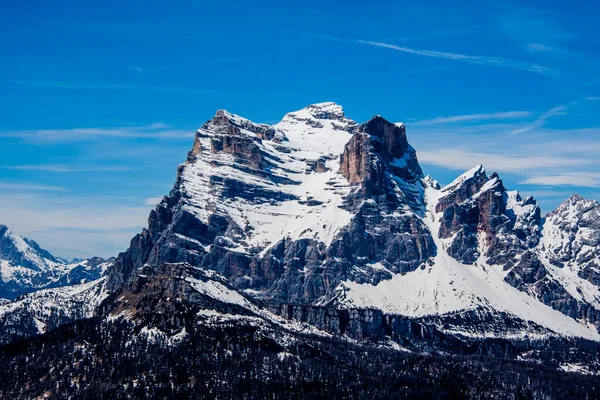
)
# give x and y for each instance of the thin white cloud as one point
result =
(554, 111)
(481, 60)
(110, 86)
(564, 180)
(541, 120)
(535, 29)
(540, 31)
(64, 168)
(538, 47)
(158, 130)
(547, 193)
(462, 160)
(152, 201)
(474, 117)
(31, 187)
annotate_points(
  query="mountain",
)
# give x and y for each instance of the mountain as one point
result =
(319, 240)
(27, 267)
(319, 210)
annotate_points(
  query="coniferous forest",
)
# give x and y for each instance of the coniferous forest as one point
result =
(115, 360)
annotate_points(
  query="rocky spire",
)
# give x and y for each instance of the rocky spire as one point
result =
(378, 147)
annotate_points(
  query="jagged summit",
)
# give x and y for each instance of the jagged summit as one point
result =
(326, 110)
(577, 201)
(475, 174)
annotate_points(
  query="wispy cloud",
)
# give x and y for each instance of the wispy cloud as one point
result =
(554, 111)
(538, 47)
(481, 60)
(110, 86)
(546, 157)
(431, 33)
(463, 160)
(541, 120)
(474, 117)
(30, 187)
(64, 168)
(576, 179)
(158, 130)
(547, 193)
(539, 31)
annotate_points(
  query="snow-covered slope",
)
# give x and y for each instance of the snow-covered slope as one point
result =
(287, 198)
(26, 267)
(43, 310)
(448, 286)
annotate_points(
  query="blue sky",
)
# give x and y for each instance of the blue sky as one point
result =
(99, 103)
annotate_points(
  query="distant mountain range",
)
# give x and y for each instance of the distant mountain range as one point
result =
(311, 242)
(26, 267)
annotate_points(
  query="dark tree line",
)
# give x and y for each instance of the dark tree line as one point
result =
(94, 359)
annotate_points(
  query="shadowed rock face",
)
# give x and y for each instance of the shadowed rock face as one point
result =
(244, 149)
(378, 146)
(391, 138)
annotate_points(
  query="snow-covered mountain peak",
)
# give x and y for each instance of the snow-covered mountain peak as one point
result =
(576, 222)
(474, 174)
(575, 205)
(20, 251)
(431, 183)
(316, 130)
(25, 266)
(227, 123)
(317, 114)
(466, 186)
(326, 110)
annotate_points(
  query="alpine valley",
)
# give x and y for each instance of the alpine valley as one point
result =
(312, 258)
